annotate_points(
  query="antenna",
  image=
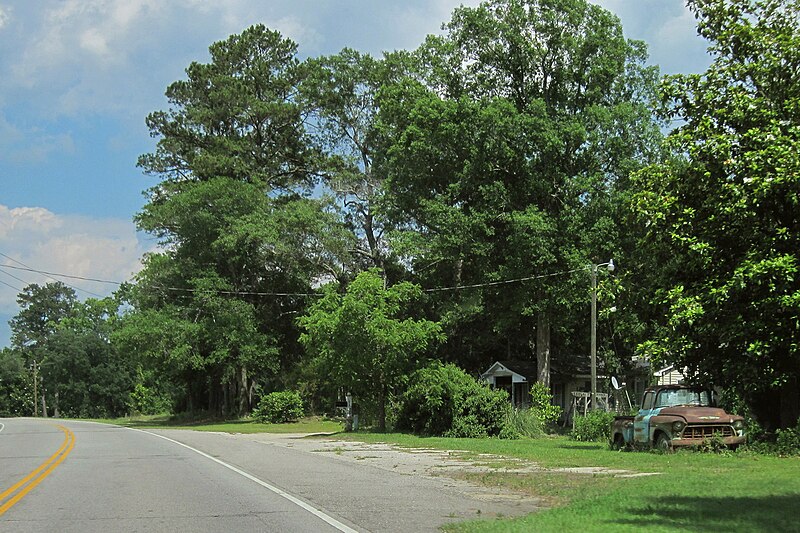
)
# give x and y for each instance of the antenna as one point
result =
(619, 386)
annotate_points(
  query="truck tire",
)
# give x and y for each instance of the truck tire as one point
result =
(663, 443)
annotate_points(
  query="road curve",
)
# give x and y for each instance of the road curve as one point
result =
(116, 479)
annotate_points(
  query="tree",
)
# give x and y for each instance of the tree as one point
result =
(41, 309)
(364, 339)
(509, 152)
(234, 117)
(340, 92)
(243, 241)
(727, 212)
(16, 385)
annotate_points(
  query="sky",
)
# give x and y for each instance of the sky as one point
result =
(78, 78)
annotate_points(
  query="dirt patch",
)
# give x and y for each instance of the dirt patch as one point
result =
(455, 467)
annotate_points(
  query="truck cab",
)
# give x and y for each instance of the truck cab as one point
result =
(673, 416)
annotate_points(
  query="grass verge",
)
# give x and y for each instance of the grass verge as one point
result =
(306, 425)
(693, 491)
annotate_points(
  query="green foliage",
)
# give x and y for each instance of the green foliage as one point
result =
(718, 213)
(445, 400)
(526, 423)
(716, 444)
(542, 404)
(509, 155)
(365, 339)
(595, 426)
(279, 407)
(537, 420)
(148, 396)
(787, 440)
(16, 385)
(41, 309)
(79, 371)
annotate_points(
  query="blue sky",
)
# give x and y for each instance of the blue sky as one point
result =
(79, 77)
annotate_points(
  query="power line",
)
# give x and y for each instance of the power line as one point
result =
(505, 282)
(12, 275)
(56, 274)
(9, 285)
(286, 294)
(235, 293)
(48, 274)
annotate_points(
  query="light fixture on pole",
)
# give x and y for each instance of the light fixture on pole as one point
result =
(593, 354)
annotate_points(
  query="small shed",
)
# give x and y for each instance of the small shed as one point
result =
(669, 376)
(514, 377)
(568, 374)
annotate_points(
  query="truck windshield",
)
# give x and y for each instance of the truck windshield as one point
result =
(668, 398)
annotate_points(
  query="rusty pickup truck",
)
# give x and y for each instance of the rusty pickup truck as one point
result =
(674, 416)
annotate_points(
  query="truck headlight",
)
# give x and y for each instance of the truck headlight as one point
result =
(738, 424)
(678, 426)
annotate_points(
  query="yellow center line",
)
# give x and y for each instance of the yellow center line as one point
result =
(48, 466)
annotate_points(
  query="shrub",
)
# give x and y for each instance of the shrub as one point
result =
(278, 407)
(445, 400)
(788, 440)
(595, 426)
(542, 405)
(526, 422)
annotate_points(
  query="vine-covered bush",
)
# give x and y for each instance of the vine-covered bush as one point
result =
(278, 407)
(542, 404)
(444, 400)
(540, 418)
(595, 426)
(788, 440)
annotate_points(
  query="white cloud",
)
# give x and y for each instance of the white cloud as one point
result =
(5, 15)
(106, 249)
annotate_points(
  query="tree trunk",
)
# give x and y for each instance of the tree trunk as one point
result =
(244, 406)
(790, 403)
(777, 409)
(382, 409)
(543, 348)
(225, 400)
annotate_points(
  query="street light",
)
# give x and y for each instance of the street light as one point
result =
(593, 355)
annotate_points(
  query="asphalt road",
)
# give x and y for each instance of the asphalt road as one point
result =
(79, 476)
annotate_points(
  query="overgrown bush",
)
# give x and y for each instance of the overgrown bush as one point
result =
(525, 422)
(542, 405)
(444, 400)
(595, 426)
(540, 418)
(788, 440)
(278, 407)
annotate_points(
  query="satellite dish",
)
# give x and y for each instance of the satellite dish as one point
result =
(615, 383)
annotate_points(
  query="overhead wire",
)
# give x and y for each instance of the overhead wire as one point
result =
(47, 274)
(9, 285)
(505, 281)
(287, 294)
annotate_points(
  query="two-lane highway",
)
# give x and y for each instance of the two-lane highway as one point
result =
(61, 475)
(80, 476)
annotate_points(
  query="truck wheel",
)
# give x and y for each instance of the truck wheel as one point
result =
(619, 442)
(663, 444)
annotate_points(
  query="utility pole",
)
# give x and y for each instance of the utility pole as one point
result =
(593, 355)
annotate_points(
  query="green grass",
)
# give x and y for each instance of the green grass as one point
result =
(694, 491)
(305, 425)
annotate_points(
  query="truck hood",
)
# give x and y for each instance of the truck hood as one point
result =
(699, 415)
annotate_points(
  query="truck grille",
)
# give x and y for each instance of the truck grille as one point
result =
(706, 432)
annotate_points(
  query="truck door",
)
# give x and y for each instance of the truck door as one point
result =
(641, 422)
